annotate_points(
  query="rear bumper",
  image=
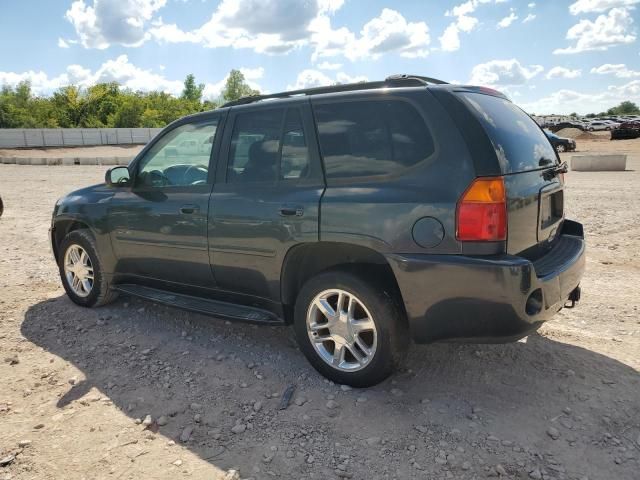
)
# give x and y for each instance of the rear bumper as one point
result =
(488, 299)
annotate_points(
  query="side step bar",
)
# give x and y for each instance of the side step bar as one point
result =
(214, 308)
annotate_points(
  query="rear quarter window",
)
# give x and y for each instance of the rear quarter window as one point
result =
(361, 139)
(519, 142)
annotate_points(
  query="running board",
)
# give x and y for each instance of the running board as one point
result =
(214, 308)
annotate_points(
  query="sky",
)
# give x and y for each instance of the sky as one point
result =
(548, 56)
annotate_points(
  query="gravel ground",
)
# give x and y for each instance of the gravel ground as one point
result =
(136, 390)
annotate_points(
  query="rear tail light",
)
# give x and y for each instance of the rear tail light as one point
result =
(481, 215)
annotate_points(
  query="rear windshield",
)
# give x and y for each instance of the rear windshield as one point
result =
(519, 142)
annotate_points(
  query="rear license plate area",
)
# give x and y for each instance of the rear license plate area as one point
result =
(551, 209)
(551, 213)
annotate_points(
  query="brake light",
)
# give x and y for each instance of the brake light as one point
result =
(481, 214)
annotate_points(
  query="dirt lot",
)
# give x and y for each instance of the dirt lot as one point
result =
(76, 385)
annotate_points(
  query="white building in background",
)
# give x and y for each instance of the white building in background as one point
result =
(551, 119)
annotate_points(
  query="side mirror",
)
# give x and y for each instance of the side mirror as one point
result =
(117, 177)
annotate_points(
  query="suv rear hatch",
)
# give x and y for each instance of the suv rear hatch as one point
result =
(526, 159)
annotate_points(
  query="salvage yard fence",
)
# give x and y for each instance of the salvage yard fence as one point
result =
(74, 137)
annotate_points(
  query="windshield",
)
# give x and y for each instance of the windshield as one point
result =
(519, 142)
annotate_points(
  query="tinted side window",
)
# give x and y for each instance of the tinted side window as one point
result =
(295, 154)
(519, 142)
(371, 138)
(255, 146)
(264, 149)
(180, 158)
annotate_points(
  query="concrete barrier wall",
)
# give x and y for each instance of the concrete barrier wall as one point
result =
(598, 163)
(111, 161)
(74, 137)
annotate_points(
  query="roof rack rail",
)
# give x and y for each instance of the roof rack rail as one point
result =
(393, 81)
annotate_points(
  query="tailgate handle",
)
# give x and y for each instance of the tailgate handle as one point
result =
(291, 211)
(189, 209)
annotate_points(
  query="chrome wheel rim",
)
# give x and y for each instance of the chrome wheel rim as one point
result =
(78, 270)
(342, 330)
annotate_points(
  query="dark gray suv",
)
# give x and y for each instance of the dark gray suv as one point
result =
(365, 215)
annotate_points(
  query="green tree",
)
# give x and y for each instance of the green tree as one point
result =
(129, 114)
(625, 108)
(236, 87)
(192, 92)
(101, 102)
(108, 105)
(68, 106)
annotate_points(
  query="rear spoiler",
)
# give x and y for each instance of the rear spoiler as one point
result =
(484, 90)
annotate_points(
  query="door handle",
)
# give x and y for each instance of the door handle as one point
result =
(291, 211)
(189, 209)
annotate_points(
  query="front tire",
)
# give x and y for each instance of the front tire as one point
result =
(351, 331)
(81, 270)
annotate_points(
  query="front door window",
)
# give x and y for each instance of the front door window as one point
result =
(180, 158)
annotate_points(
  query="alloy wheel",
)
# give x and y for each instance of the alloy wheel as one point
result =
(342, 330)
(78, 270)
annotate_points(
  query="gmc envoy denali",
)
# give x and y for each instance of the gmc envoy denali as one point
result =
(365, 215)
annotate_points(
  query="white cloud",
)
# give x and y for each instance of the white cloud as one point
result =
(280, 26)
(106, 22)
(589, 6)
(508, 20)
(329, 66)
(265, 26)
(40, 81)
(119, 70)
(614, 28)
(253, 73)
(388, 32)
(391, 32)
(342, 77)
(330, 6)
(450, 39)
(562, 72)
(310, 78)
(532, 5)
(619, 70)
(529, 18)
(464, 22)
(503, 73)
(567, 101)
(62, 43)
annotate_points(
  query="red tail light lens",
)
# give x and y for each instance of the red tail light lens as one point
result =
(482, 212)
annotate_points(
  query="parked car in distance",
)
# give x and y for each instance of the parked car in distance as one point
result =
(599, 125)
(626, 130)
(559, 126)
(364, 215)
(561, 144)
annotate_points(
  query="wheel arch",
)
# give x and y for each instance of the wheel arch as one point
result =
(304, 261)
(63, 227)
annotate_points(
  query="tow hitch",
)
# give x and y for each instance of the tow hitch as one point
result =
(574, 297)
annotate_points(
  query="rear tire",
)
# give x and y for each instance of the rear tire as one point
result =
(368, 330)
(91, 287)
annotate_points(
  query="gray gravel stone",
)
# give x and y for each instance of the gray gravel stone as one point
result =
(186, 434)
(239, 428)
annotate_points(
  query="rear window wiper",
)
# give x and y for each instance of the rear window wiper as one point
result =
(551, 173)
